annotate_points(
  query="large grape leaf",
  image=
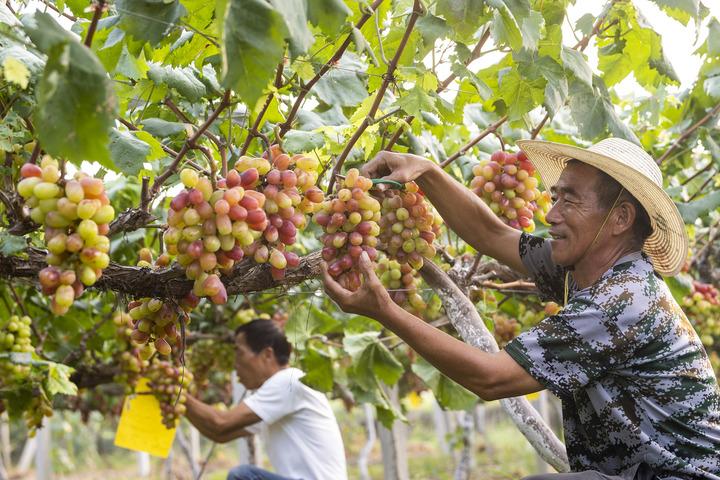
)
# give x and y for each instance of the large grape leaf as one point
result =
(184, 80)
(699, 208)
(76, 100)
(252, 47)
(372, 360)
(300, 38)
(594, 113)
(317, 366)
(343, 86)
(576, 62)
(447, 392)
(128, 152)
(11, 244)
(681, 10)
(521, 94)
(149, 20)
(298, 141)
(416, 101)
(463, 16)
(329, 15)
(713, 38)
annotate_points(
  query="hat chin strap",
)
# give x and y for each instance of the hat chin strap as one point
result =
(597, 235)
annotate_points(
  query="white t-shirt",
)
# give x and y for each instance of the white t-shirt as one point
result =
(303, 438)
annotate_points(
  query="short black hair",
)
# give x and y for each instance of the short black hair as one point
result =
(261, 333)
(607, 190)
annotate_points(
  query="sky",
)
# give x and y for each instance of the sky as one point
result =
(678, 41)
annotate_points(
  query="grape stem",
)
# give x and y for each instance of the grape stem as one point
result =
(190, 143)
(388, 77)
(473, 56)
(491, 129)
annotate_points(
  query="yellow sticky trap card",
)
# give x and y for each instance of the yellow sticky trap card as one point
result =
(140, 427)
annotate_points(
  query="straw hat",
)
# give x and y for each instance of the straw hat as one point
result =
(639, 174)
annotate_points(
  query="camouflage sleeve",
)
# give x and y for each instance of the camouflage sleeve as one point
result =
(567, 351)
(549, 277)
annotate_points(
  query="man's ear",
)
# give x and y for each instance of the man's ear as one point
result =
(624, 217)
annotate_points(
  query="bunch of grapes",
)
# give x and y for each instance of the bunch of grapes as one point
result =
(349, 222)
(506, 328)
(407, 227)
(76, 214)
(39, 408)
(402, 282)
(507, 184)
(207, 228)
(210, 358)
(15, 336)
(287, 187)
(133, 357)
(170, 383)
(702, 306)
(154, 323)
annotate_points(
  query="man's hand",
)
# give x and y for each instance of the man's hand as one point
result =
(369, 300)
(400, 167)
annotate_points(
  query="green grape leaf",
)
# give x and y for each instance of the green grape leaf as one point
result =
(128, 152)
(76, 100)
(318, 370)
(162, 128)
(531, 30)
(575, 61)
(184, 80)
(149, 21)
(11, 244)
(447, 392)
(300, 38)
(520, 94)
(343, 86)
(681, 10)
(372, 360)
(505, 31)
(298, 141)
(58, 380)
(713, 38)
(463, 16)
(252, 47)
(699, 208)
(711, 86)
(416, 101)
(329, 15)
(432, 28)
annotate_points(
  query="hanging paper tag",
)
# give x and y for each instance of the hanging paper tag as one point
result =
(140, 427)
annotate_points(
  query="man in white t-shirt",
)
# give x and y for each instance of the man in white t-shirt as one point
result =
(303, 440)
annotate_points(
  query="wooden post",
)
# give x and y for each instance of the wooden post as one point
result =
(5, 440)
(442, 426)
(143, 461)
(393, 443)
(364, 455)
(43, 466)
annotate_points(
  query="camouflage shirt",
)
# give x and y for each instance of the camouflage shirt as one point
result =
(635, 382)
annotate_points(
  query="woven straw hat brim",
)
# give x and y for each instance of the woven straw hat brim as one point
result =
(668, 244)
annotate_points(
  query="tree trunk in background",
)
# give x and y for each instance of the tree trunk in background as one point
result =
(364, 455)
(393, 442)
(43, 466)
(466, 462)
(467, 322)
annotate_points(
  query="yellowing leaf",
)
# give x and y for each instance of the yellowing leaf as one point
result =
(16, 72)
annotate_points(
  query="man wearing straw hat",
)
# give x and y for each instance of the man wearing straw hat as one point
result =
(640, 399)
